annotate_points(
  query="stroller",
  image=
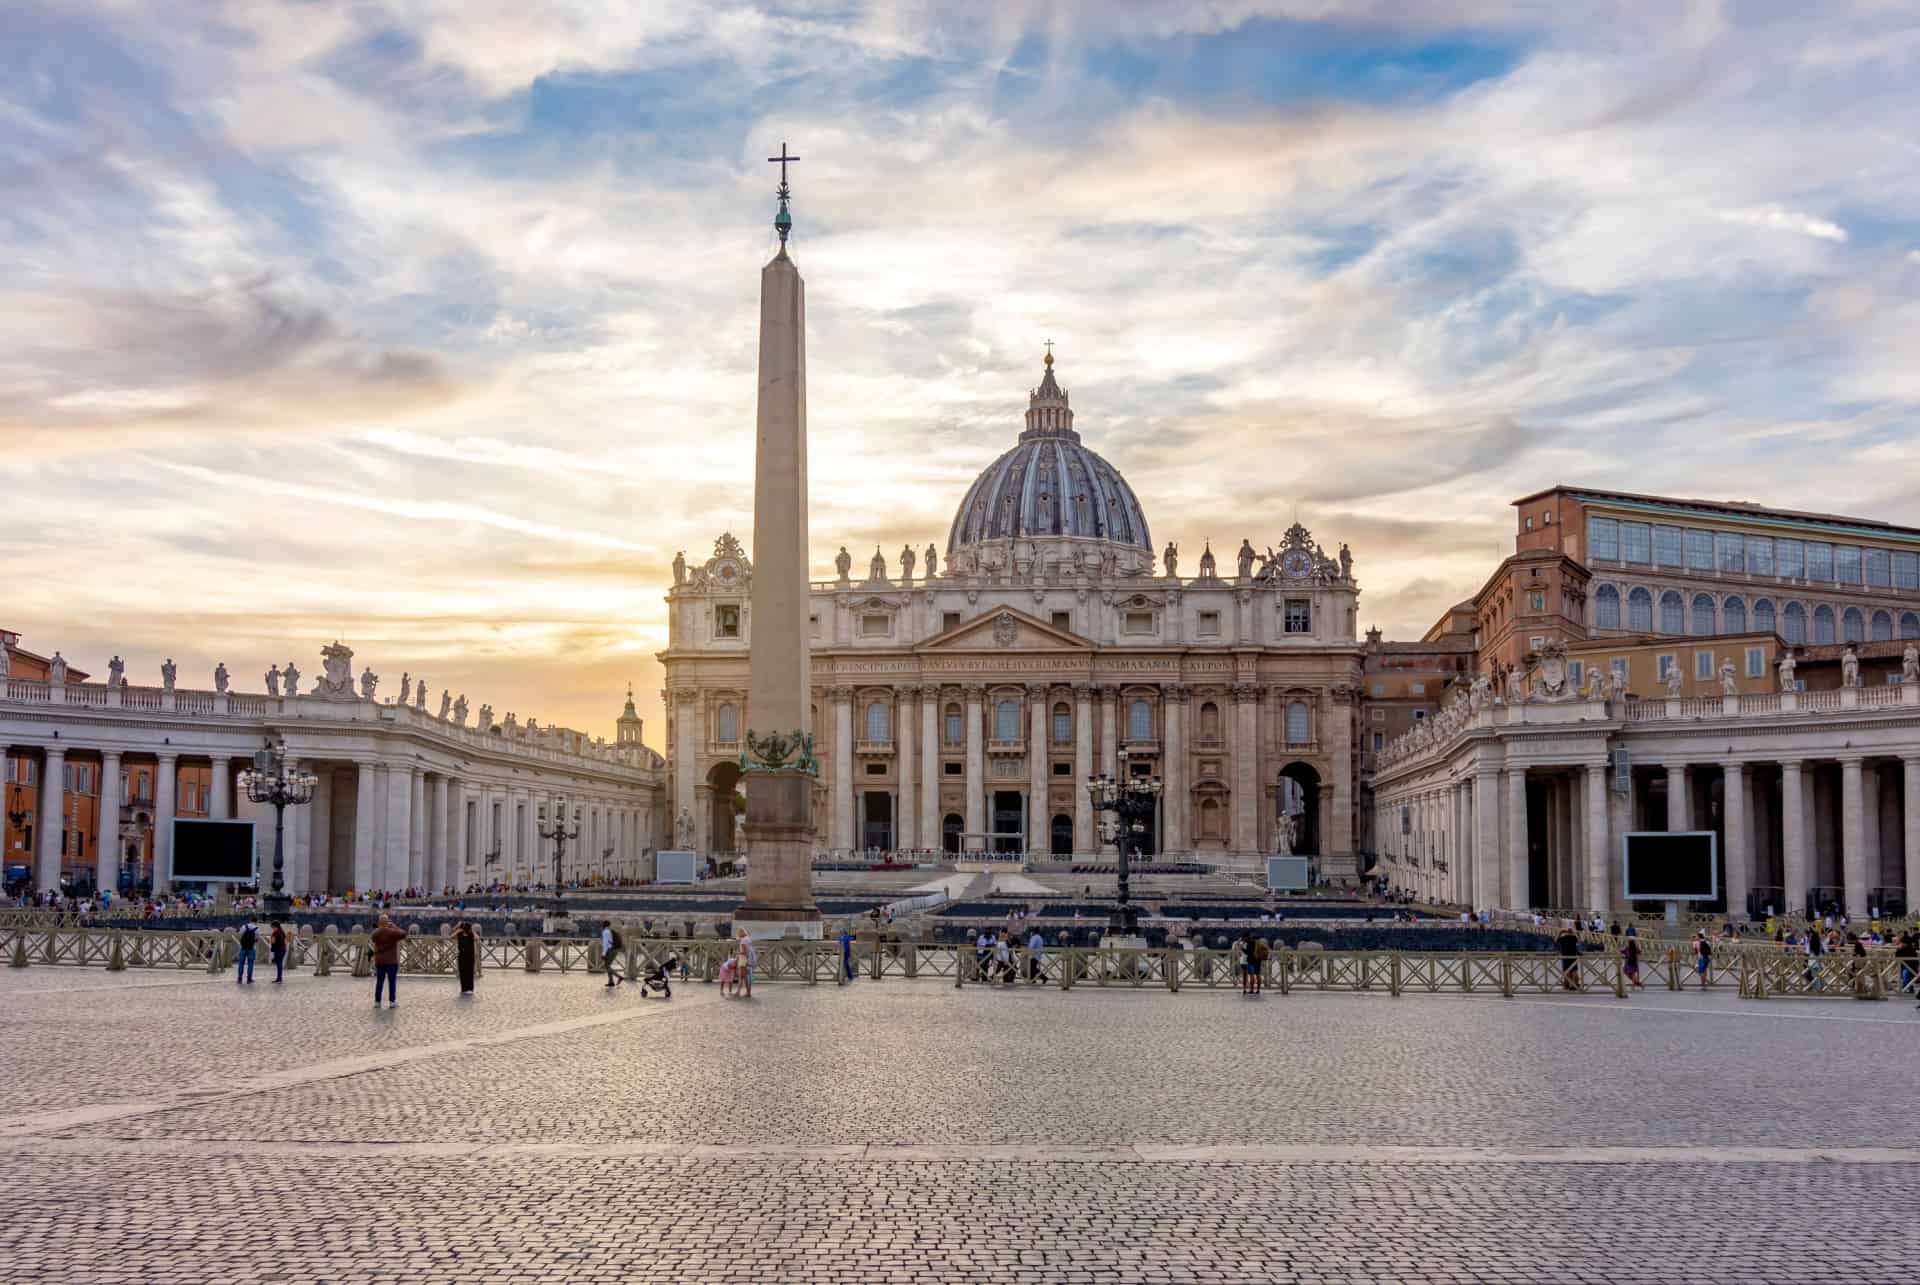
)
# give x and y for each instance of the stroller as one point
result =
(657, 978)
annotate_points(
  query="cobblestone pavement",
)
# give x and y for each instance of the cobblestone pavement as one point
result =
(177, 1128)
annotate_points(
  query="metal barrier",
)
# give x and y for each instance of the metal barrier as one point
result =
(1822, 977)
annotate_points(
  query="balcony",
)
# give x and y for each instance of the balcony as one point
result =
(1007, 745)
(873, 749)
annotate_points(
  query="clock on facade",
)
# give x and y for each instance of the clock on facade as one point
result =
(1297, 563)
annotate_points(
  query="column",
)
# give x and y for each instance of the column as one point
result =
(1083, 838)
(1339, 742)
(1679, 801)
(1870, 824)
(106, 839)
(1853, 848)
(1519, 894)
(930, 713)
(366, 870)
(320, 831)
(1246, 763)
(416, 827)
(1039, 816)
(299, 838)
(1793, 835)
(1486, 839)
(220, 806)
(1559, 868)
(1173, 759)
(49, 840)
(1109, 752)
(976, 763)
(686, 761)
(906, 728)
(166, 797)
(399, 827)
(1599, 842)
(842, 699)
(437, 862)
(1910, 814)
(1733, 810)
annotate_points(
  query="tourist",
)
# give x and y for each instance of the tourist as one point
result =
(277, 947)
(982, 947)
(846, 951)
(1569, 943)
(1702, 958)
(1003, 961)
(1907, 952)
(1630, 962)
(1261, 951)
(748, 956)
(610, 944)
(466, 954)
(1248, 965)
(386, 940)
(1815, 948)
(1036, 957)
(249, 937)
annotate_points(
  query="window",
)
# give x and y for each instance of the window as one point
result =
(1063, 621)
(1536, 642)
(1759, 555)
(1883, 626)
(1606, 607)
(1577, 674)
(1536, 600)
(1006, 720)
(1640, 611)
(1703, 664)
(1699, 550)
(1063, 768)
(1878, 566)
(1853, 626)
(875, 625)
(726, 622)
(726, 723)
(1906, 570)
(1379, 740)
(1209, 722)
(1909, 625)
(1733, 616)
(1846, 563)
(1666, 665)
(1756, 662)
(1673, 612)
(1819, 560)
(876, 769)
(1529, 524)
(1790, 558)
(954, 769)
(1823, 624)
(1730, 552)
(877, 729)
(1419, 715)
(1763, 615)
(1137, 622)
(1139, 721)
(1546, 518)
(1703, 614)
(813, 625)
(1618, 665)
(1603, 539)
(1299, 616)
(1209, 624)
(1379, 716)
(1418, 689)
(1211, 823)
(1062, 723)
(949, 620)
(1794, 623)
(1636, 542)
(956, 729)
(1300, 723)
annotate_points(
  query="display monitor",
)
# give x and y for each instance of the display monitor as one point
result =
(1663, 865)
(209, 851)
(675, 865)
(1287, 874)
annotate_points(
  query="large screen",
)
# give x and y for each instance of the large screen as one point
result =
(1672, 866)
(212, 851)
(675, 865)
(1287, 874)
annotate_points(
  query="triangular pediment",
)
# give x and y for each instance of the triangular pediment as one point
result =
(1006, 629)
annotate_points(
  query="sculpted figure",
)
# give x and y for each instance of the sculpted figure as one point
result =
(446, 703)
(460, 711)
(906, 565)
(273, 681)
(1246, 559)
(291, 677)
(117, 669)
(512, 725)
(680, 567)
(220, 677)
(1516, 685)
(406, 686)
(1727, 684)
(1850, 668)
(1786, 667)
(1910, 664)
(1172, 559)
(369, 681)
(486, 718)
(1675, 680)
(843, 563)
(57, 669)
(167, 671)
(1283, 836)
(1480, 693)
(6, 664)
(1346, 562)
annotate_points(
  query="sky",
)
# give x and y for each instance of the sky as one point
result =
(429, 325)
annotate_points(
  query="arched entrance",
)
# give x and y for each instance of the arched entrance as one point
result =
(725, 782)
(1297, 795)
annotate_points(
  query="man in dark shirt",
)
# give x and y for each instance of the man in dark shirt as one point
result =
(386, 941)
(1569, 943)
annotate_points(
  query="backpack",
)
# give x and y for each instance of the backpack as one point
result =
(247, 938)
(1261, 950)
(617, 943)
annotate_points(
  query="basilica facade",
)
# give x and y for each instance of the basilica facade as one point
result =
(962, 696)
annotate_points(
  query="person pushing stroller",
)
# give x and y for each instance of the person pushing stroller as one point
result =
(658, 978)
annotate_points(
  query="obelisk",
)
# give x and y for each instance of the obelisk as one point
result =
(778, 764)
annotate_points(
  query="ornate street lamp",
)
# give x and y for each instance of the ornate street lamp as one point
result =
(1132, 802)
(559, 834)
(269, 780)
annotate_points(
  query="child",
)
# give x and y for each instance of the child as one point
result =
(727, 986)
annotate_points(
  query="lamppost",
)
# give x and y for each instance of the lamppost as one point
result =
(559, 834)
(270, 780)
(1133, 801)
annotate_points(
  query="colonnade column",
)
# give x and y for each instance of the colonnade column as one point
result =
(399, 832)
(1246, 768)
(842, 702)
(1339, 743)
(106, 841)
(1109, 752)
(437, 839)
(166, 796)
(976, 763)
(1619, 823)
(1039, 816)
(220, 806)
(365, 872)
(1083, 839)
(1486, 839)
(905, 728)
(1679, 801)
(930, 702)
(1793, 835)
(1853, 850)
(1733, 811)
(1599, 848)
(320, 831)
(1173, 759)
(416, 827)
(299, 839)
(1519, 894)
(49, 839)
(686, 763)
(1910, 811)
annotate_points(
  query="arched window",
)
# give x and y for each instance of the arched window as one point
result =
(1139, 721)
(1062, 723)
(1853, 626)
(1909, 625)
(1209, 722)
(1673, 613)
(1823, 624)
(1640, 611)
(1763, 615)
(1733, 616)
(1299, 723)
(1606, 607)
(956, 726)
(1006, 720)
(1883, 626)
(1703, 614)
(877, 722)
(726, 722)
(1211, 819)
(1794, 623)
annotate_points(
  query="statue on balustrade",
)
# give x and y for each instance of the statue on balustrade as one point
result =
(486, 718)
(1850, 668)
(1516, 685)
(167, 671)
(680, 567)
(1910, 664)
(1786, 667)
(290, 677)
(512, 725)
(1172, 559)
(116, 672)
(1247, 556)
(1480, 694)
(57, 669)
(1675, 681)
(843, 564)
(6, 664)
(369, 683)
(273, 681)
(406, 687)
(906, 565)
(420, 696)
(220, 677)
(336, 680)
(1729, 686)
(460, 711)
(1346, 562)
(933, 561)
(446, 703)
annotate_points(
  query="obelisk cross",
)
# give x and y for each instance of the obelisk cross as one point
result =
(783, 221)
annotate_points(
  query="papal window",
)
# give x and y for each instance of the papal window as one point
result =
(1606, 607)
(726, 723)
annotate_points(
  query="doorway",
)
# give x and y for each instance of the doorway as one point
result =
(1009, 821)
(876, 820)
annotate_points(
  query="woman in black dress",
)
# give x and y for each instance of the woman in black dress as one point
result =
(466, 948)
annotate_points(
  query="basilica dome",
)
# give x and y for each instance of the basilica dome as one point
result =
(1052, 492)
